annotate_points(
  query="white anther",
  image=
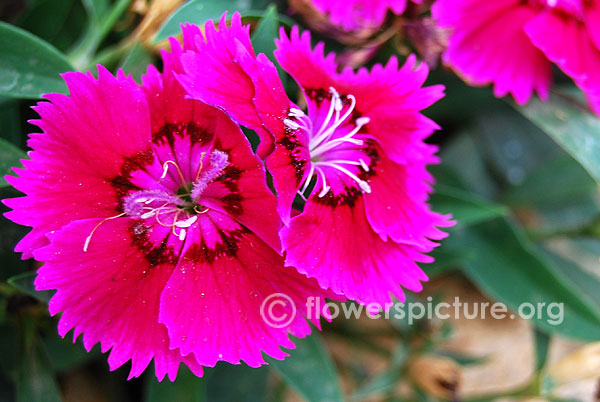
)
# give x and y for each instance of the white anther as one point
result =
(295, 112)
(361, 121)
(186, 223)
(149, 214)
(365, 186)
(324, 191)
(291, 124)
(363, 165)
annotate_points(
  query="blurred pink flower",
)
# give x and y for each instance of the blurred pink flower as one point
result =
(357, 154)
(359, 14)
(511, 43)
(156, 227)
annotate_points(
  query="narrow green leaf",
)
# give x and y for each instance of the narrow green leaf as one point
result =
(198, 12)
(571, 126)
(542, 344)
(500, 260)
(466, 208)
(586, 283)
(263, 38)
(186, 388)
(136, 61)
(29, 67)
(64, 355)
(381, 384)
(310, 371)
(9, 158)
(250, 383)
(24, 282)
(36, 382)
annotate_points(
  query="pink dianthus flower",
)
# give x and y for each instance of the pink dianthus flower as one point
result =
(155, 226)
(513, 43)
(359, 14)
(357, 155)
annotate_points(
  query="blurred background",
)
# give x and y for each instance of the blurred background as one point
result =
(522, 183)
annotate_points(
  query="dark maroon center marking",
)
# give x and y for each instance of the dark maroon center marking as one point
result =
(162, 253)
(227, 247)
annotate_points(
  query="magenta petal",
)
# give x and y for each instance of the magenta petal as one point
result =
(333, 242)
(359, 14)
(110, 294)
(242, 192)
(567, 43)
(488, 45)
(397, 206)
(390, 96)
(290, 157)
(593, 23)
(311, 69)
(212, 303)
(393, 97)
(213, 75)
(86, 138)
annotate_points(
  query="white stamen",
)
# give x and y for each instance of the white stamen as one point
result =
(320, 141)
(182, 235)
(186, 223)
(88, 239)
(308, 178)
(314, 142)
(149, 214)
(326, 188)
(361, 121)
(87, 243)
(294, 112)
(363, 184)
(165, 170)
(291, 124)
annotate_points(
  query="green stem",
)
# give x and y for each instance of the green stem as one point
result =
(99, 27)
(112, 18)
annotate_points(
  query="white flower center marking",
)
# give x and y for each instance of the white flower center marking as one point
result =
(323, 140)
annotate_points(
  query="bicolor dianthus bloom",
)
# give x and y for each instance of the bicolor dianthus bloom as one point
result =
(512, 44)
(359, 14)
(155, 226)
(357, 155)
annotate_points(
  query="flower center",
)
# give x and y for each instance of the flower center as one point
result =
(337, 132)
(177, 209)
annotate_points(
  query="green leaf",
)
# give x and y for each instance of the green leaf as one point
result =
(186, 388)
(64, 355)
(542, 344)
(9, 158)
(136, 61)
(310, 371)
(36, 382)
(586, 283)
(466, 208)
(469, 173)
(263, 38)
(571, 126)
(24, 282)
(250, 383)
(498, 258)
(198, 12)
(378, 385)
(29, 67)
